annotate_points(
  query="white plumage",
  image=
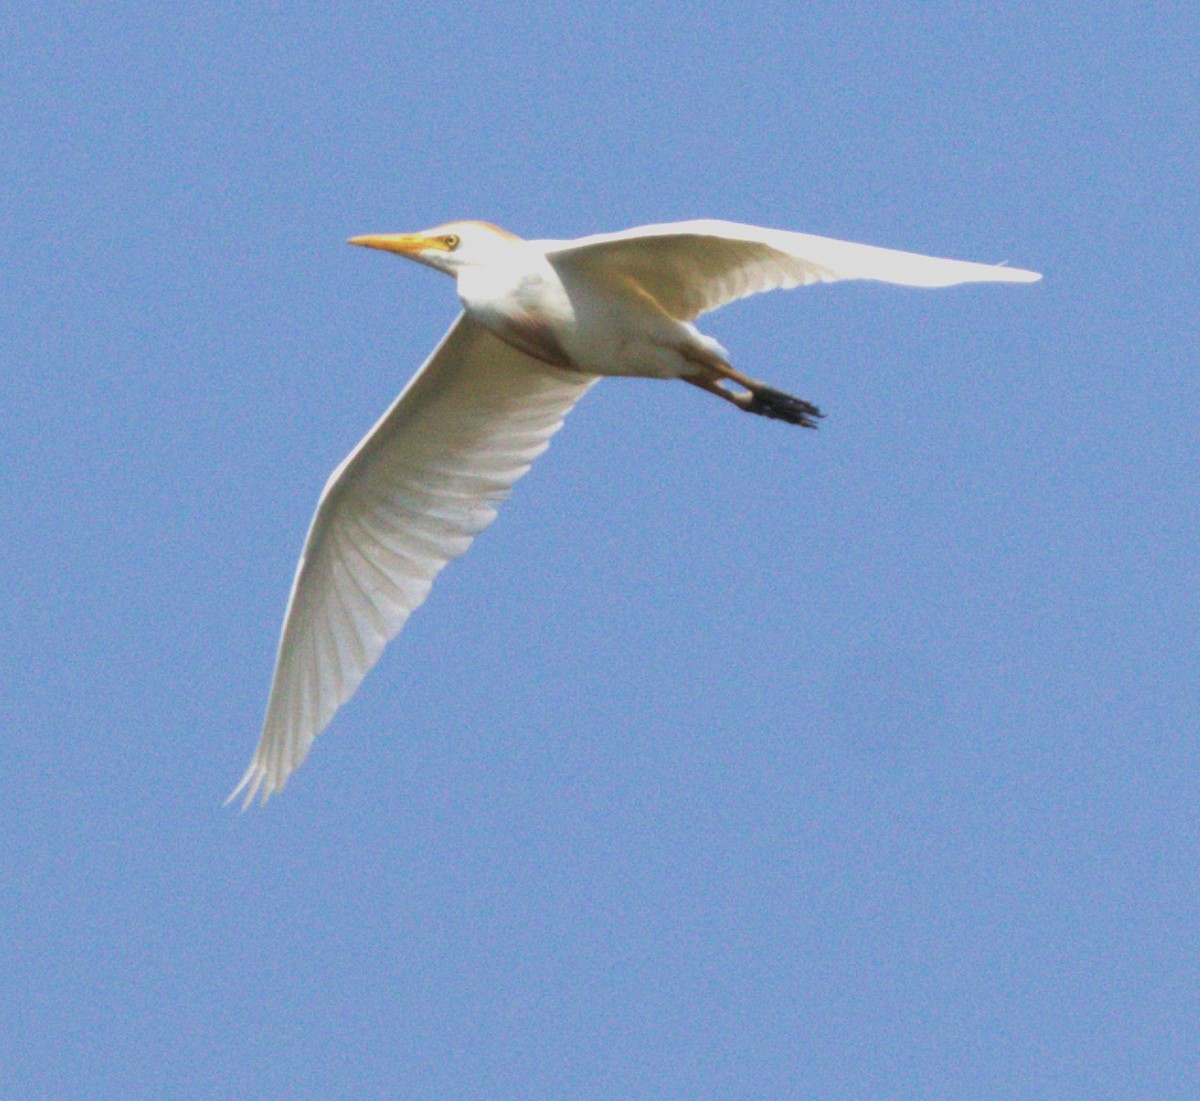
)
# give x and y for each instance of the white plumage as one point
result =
(542, 321)
(694, 267)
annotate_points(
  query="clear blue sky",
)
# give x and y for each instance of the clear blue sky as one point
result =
(735, 761)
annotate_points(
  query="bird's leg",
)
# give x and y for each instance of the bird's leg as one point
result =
(754, 396)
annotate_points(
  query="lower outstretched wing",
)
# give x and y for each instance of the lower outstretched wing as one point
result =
(409, 498)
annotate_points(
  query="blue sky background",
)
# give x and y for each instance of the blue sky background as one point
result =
(734, 761)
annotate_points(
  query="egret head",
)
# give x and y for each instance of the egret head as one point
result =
(449, 248)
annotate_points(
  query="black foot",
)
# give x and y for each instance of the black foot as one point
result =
(782, 407)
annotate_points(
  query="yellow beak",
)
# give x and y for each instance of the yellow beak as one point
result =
(405, 244)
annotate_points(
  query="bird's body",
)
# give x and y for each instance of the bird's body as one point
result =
(542, 320)
(599, 323)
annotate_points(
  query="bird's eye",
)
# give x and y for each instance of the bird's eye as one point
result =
(451, 241)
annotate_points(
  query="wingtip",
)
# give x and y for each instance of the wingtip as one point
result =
(250, 783)
(1018, 275)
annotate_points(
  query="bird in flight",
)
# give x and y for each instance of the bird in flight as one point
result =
(542, 321)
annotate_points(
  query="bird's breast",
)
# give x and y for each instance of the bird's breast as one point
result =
(529, 312)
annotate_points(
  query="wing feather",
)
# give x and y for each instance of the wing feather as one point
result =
(408, 499)
(690, 268)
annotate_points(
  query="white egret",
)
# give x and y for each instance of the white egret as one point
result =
(541, 322)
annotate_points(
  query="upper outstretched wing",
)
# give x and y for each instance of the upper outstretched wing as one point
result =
(409, 498)
(690, 268)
